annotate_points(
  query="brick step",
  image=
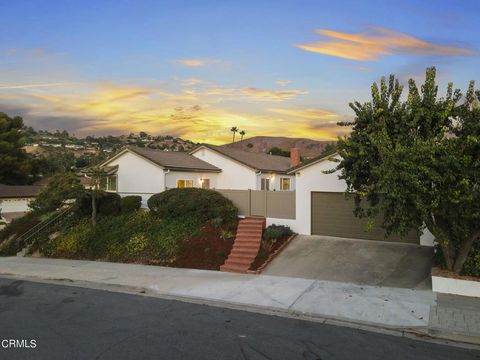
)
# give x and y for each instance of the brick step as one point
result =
(235, 269)
(241, 250)
(239, 262)
(258, 227)
(241, 258)
(246, 244)
(256, 234)
(248, 237)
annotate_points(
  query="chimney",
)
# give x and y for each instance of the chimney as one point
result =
(294, 156)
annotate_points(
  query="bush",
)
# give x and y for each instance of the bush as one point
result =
(61, 187)
(192, 203)
(131, 203)
(138, 236)
(107, 203)
(276, 232)
(19, 225)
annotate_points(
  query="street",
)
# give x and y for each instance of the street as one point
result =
(77, 323)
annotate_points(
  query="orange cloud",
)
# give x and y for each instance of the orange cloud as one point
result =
(306, 113)
(196, 62)
(274, 95)
(282, 82)
(376, 42)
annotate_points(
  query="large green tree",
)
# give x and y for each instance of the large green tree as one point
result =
(417, 161)
(61, 187)
(16, 167)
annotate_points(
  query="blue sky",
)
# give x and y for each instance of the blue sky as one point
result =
(196, 68)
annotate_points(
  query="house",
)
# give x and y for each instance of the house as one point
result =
(283, 190)
(242, 170)
(14, 200)
(322, 208)
(144, 172)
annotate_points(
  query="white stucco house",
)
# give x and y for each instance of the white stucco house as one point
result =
(316, 204)
(144, 172)
(242, 170)
(14, 200)
(321, 207)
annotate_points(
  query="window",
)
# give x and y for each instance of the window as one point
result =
(108, 183)
(284, 183)
(184, 184)
(265, 184)
(205, 183)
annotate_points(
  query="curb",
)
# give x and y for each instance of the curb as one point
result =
(419, 334)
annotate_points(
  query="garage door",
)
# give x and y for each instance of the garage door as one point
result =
(332, 215)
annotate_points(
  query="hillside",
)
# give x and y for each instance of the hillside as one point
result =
(261, 144)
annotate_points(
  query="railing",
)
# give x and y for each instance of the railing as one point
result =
(28, 238)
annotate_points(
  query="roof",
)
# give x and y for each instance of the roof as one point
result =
(19, 191)
(312, 161)
(171, 160)
(260, 162)
(12, 215)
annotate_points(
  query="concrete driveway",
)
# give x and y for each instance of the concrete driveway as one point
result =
(355, 261)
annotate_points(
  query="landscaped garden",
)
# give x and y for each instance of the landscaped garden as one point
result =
(191, 228)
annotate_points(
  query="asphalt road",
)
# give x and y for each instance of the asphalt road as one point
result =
(75, 323)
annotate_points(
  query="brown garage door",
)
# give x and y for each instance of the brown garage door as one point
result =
(332, 215)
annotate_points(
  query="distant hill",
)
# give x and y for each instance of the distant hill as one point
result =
(262, 144)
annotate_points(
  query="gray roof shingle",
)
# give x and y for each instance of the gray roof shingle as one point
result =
(19, 191)
(261, 162)
(174, 160)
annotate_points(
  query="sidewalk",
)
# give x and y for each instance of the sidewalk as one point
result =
(391, 308)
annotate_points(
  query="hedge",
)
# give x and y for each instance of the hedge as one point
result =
(193, 203)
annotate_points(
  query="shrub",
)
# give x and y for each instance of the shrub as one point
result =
(192, 203)
(107, 203)
(136, 236)
(275, 232)
(61, 187)
(131, 203)
(19, 225)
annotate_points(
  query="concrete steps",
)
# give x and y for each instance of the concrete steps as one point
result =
(246, 245)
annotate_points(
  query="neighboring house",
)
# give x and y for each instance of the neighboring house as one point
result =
(14, 200)
(144, 172)
(242, 170)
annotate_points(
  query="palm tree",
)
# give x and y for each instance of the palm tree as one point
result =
(242, 134)
(234, 129)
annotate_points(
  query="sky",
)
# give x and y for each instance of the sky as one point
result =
(194, 69)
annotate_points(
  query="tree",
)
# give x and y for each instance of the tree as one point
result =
(16, 166)
(242, 134)
(278, 151)
(234, 130)
(61, 187)
(417, 163)
(97, 174)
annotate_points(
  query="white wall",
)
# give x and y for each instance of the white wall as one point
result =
(137, 176)
(275, 181)
(15, 205)
(313, 179)
(172, 177)
(234, 175)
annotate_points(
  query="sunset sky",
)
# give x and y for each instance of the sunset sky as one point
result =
(195, 68)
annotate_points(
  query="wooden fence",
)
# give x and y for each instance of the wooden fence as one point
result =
(272, 204)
